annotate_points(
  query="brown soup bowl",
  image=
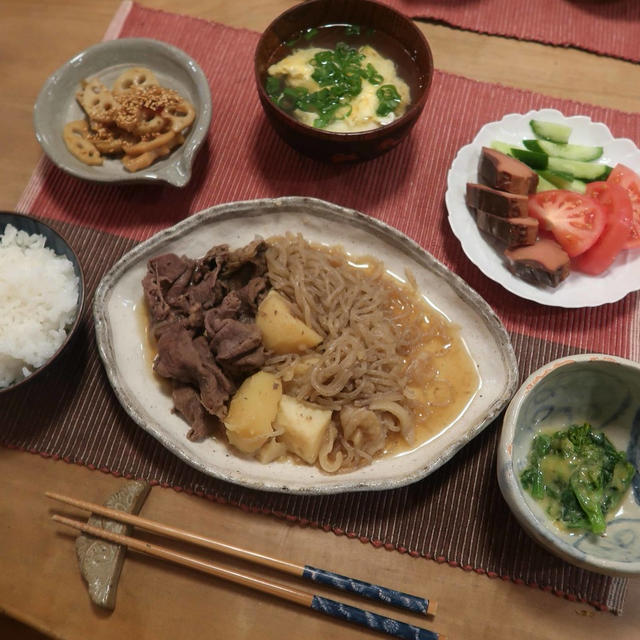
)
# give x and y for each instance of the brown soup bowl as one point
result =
(416, 67)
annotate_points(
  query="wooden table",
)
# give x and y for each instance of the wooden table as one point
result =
(39, 582)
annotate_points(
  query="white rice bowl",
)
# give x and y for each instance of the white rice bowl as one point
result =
(38, 300)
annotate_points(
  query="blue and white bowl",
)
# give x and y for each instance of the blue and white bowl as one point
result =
(604, 391)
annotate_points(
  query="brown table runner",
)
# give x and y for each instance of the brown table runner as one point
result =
(608, 27)
(456, 515)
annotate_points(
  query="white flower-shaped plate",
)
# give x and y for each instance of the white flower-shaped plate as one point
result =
(578, 290)
(121, 338)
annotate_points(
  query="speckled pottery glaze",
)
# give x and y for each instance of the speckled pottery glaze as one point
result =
(56, 105)
(101, 561)
(121, 337)
(604, 391)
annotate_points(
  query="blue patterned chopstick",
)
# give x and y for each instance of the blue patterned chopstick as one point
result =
(375, 592)
(318, 603)
(372, 620)
(368, 590)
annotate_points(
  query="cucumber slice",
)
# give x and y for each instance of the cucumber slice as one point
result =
(544, 184)
(505, 147)
(551, 131)
(567, 151)
(586, 171)
(502, 147)
(561, 180)
(532, 145)
(531, 158)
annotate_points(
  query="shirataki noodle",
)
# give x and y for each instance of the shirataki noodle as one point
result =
(376, 333)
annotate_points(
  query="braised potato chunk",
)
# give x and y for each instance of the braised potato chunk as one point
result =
(282, 332)
(252, 411)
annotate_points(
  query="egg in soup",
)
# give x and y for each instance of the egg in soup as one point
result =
(346, 89)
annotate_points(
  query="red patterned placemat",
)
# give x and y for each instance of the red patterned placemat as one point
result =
(457, 515)
(608, 27)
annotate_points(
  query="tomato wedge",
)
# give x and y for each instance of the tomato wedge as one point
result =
(617, 206)
(630, 181)
(575, 220)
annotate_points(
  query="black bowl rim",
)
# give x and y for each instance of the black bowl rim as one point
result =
(415, 108)
(81, 292)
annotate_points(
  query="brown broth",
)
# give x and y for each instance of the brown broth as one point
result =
(447, 383)
(456, 369)
(450, 365)
(149, 346)
(328, 37)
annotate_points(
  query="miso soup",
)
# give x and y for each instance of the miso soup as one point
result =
(342, 78)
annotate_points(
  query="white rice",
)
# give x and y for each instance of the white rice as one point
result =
(38, 300)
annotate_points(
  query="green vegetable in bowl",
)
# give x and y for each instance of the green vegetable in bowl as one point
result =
(578, 475)
(389, 99)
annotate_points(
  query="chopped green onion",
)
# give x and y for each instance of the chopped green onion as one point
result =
(273, 87)
(339, 73)
(389, 99)
(372, 75)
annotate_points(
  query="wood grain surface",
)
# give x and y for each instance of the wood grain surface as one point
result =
(40, 584)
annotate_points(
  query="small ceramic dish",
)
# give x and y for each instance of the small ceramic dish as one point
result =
(119, 312)
(402, 38)
(579, 289)
(58, 244)
(56, 105)
(605, 392)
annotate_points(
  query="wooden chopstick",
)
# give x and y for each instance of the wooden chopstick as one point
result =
(318, 603)
(416, 604)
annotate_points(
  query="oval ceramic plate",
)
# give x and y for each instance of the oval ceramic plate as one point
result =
(56, 105)
(578, 290)
(121, 340)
